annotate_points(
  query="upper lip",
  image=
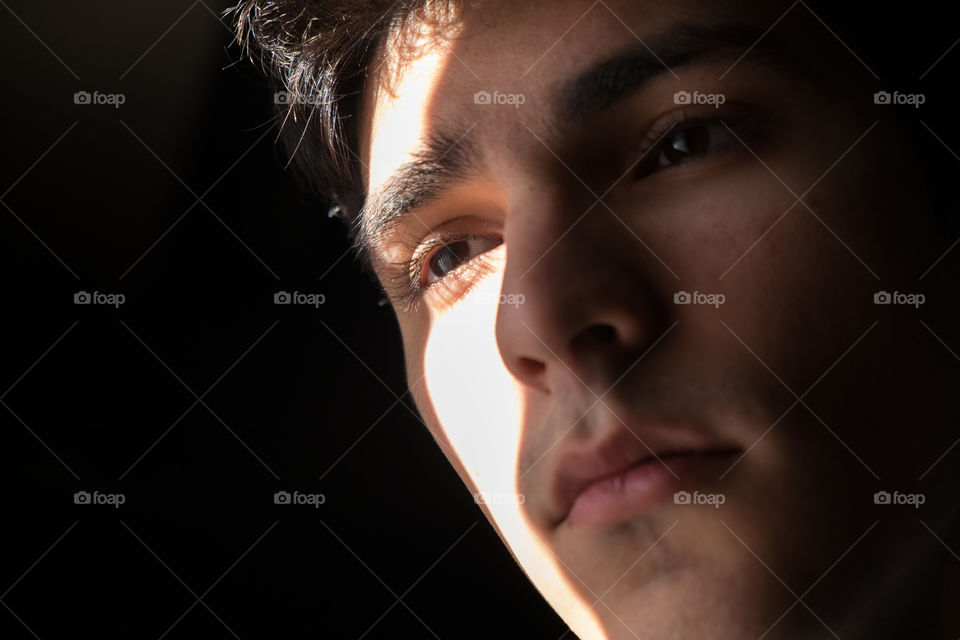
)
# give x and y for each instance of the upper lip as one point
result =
(615, 452)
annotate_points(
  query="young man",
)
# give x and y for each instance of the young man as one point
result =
(676, 294)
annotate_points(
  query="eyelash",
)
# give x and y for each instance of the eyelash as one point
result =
(661, 132)
(457, 282)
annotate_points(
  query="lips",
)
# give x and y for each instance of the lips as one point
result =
(626, 473)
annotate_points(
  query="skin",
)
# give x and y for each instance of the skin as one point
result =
(507, 388)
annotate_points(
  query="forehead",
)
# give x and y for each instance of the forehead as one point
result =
(508, 49)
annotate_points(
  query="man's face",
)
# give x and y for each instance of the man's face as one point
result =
(635, 270)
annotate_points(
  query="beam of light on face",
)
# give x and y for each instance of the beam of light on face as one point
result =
(480, 408)
(468, 397)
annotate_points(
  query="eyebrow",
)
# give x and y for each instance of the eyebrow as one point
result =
(443, 161)
(605, 83)
(447, 158)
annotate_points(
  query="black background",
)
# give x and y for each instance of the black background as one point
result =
(199, 397)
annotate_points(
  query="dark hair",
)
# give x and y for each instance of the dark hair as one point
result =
(321, 52)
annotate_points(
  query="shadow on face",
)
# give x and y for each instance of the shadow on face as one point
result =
(671, 298)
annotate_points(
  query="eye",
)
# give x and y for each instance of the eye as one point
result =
(449, 256)
(685, 144)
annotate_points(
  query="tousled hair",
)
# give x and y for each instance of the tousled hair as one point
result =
(319, 55)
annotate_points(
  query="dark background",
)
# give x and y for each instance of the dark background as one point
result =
(199, 398)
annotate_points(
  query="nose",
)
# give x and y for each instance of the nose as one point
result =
(589, 308)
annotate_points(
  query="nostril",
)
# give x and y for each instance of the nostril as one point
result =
(529, 369)
(598, 335)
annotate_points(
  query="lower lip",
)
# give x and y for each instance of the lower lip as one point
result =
(645, 485)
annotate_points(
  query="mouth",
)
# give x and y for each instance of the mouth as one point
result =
(617, 481)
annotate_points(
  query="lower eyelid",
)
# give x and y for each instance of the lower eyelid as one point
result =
(459, 282)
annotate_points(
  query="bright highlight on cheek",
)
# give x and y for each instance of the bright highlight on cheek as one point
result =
(477, 402)
(480, 409)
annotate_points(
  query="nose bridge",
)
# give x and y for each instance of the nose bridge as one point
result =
(587, 304)
(542, 236)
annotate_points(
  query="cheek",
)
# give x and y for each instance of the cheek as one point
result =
(467, 397)
(473, 399)
(783, 271)
(475, 409)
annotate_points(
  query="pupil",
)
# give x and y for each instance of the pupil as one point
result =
(448, 258)
(688, 143)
